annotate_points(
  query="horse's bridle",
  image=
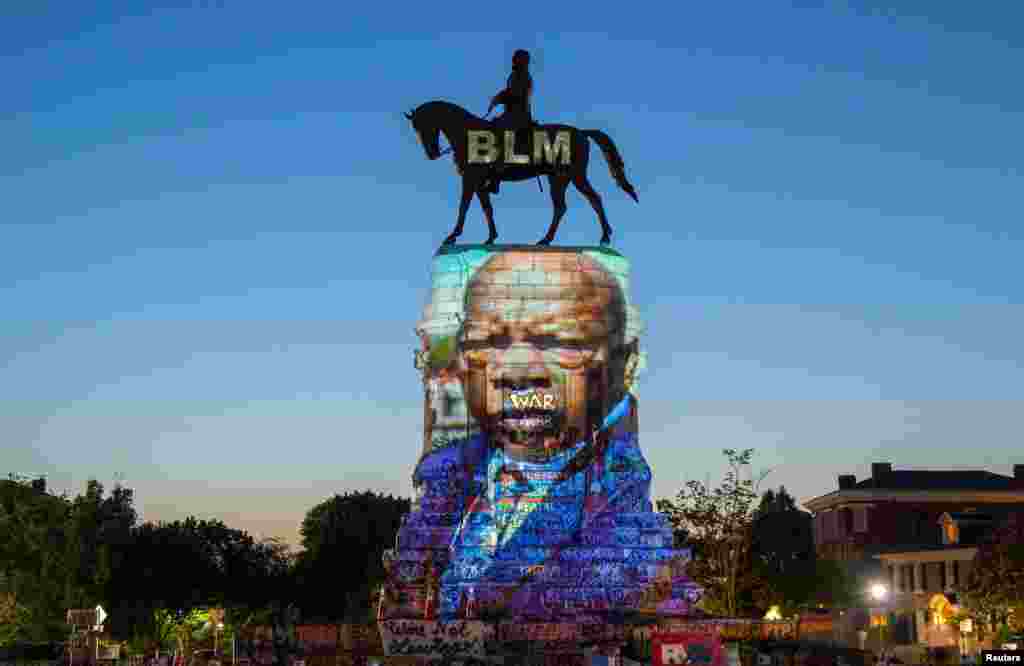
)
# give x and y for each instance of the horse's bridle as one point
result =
(449, 148)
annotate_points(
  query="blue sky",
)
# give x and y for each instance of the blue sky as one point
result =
(217, 231)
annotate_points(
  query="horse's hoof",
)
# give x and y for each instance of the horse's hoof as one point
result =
(490, 241)
(544, 241)
(449, 241)
(606, 240)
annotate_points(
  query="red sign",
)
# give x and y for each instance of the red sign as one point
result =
(815, 624)
(687, 649)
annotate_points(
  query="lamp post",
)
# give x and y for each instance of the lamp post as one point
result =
(879, 592)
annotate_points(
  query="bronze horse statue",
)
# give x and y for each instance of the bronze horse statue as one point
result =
(432, 119)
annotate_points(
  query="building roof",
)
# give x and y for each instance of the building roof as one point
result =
(970, 516)
(965, 487)
(941, 480)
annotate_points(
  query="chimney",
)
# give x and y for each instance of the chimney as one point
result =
(847, 481)
(1018, 472)
(878, 472)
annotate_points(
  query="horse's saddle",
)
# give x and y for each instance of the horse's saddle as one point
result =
(523, 145)
(523, 136)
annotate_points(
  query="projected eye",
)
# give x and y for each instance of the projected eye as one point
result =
(499, 341)
(546, 341)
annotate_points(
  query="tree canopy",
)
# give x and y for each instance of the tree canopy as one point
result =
(341, 566)
(994, 590)
(752, 554)
(717, 524)
(59, 553)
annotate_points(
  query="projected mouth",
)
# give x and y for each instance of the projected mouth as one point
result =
(529, 421)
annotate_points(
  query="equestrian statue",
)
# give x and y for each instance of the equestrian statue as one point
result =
(432, 119)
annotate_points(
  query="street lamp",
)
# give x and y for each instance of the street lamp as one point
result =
(879, 592)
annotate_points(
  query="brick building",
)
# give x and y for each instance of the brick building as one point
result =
(914, 532)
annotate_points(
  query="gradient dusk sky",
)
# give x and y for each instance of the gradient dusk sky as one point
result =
(217, 230)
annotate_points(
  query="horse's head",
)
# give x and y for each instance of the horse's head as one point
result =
(427, 131)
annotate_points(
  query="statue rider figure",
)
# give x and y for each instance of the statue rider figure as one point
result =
(516, 100)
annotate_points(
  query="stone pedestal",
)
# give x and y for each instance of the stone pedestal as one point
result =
(532, 495)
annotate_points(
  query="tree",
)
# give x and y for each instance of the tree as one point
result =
(33, 579)
(776, 502)
(783, 553)
(994, 593)
(354, 529)
(14, 618)
(717, 523)
(171, 573)
(785, 561)
(58, 553)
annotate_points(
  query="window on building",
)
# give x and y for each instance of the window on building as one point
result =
(950, 531)
(845, 522)
(860, 520)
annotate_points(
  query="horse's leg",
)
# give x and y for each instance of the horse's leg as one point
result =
(485, 202)
(558, 184)
(587, 190)
(467, 197)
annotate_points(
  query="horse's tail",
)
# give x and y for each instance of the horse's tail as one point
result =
(615, 163)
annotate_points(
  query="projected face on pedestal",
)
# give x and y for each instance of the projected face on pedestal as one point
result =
(539, 348)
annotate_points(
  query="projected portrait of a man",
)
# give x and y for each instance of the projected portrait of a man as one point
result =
(530, 457)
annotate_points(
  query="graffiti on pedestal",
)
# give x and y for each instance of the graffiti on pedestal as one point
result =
(435, 639)
(532, 494)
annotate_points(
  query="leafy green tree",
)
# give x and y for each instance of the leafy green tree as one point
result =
(14, 618)
(773, 502)
(718, 524)
(173, 570)
(33, 580)
(783, 554)
(834, 585)
(354, 529)
(791, 575)
(58, 553)
(994, 590)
